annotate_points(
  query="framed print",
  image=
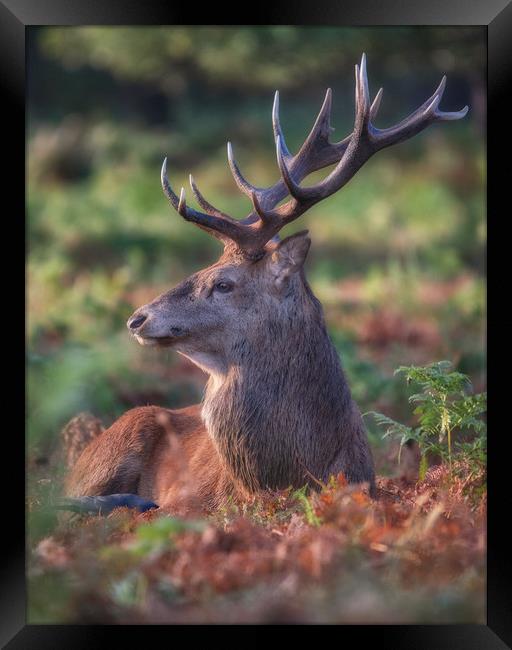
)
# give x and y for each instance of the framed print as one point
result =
(255, 298)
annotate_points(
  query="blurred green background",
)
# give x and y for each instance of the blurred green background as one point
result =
(397, 256)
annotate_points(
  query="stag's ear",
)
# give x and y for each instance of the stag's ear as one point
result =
(289, 257)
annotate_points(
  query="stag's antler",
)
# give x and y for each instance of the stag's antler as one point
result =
(265, 221)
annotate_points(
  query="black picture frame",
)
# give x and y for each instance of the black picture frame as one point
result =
(15, 17)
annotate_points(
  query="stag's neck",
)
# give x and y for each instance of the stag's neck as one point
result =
(280, 409)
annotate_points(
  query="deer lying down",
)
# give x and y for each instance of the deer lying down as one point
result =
(277, 409)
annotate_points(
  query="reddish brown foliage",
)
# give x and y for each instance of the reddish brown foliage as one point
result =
(412, 538)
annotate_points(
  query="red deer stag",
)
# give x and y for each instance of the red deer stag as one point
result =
(277, 409)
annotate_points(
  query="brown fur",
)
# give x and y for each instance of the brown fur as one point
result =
(154, 452)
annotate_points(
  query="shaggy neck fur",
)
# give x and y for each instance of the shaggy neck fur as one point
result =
(282, 412)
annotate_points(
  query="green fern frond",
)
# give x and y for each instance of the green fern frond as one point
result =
(442, 407)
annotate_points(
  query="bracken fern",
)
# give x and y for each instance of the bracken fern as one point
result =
(443, 409)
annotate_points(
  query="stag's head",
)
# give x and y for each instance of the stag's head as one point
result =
(258, 282)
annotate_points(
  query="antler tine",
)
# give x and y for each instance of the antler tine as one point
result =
(293, 188)
(207, 207)
(182, 204)
(268, 218)
(322, 127)
(168, 191)
(441, 115)
(374, 108)
(448, 116)
(363, 89)
(276, 125)
(243, 184)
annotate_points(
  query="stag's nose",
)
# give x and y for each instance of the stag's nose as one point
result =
(136, 321)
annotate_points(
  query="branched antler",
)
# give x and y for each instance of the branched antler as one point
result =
(265, 221)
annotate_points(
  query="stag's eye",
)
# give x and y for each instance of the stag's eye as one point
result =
(223, 287)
